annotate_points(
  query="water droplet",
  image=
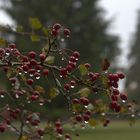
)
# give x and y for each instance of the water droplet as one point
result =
(123, 101)
(62, 58)
(41, 137)
(85, 106)
(25, 71)
(83, 127)
(86, 122)
(19, 73)
(72, 86)
(17, 96)
(31, 75)
(38, 70)
(103, 114)
(41, 103)
(61, 76)
(38, 77)
(27, 122)
(67, 138)
(13, 84)
(133, 115)
(60, 135)
(28, 102)
(7, 53)
(67, 36)
(2, 96)
(62, 39)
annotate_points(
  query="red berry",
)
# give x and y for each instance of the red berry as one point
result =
(116, 91)
(87, 65)
(66, 32)
(113, 105)
(72, 83)
(117, 108)
(78, 118)
(75, 101)
(59, 130)
(25, 68)
(69, 68)
(72, 59)
(88, 112)
(63, 72)
(121, 75)
(56, 26)
(30, 81)
(123, 96)
(55, 32)
(12, 46)
(114, 97)
(24, 59)
(86, 117)
(2, 127)
(40, 132)
(57, 123)
(76, 54)
(84, 101)
(31, 71)
(32, 54)
(34, 97)
(67, 87)
(33, 62)
(42, 56)
(45, 72)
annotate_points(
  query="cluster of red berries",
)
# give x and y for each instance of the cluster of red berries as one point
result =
(116, 95)
(59, 130)
(14, 114)
(57, 30)
(10, 52)
(33, 119)
(71, 64)
(28, 64)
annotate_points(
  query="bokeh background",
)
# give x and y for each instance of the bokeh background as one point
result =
(100, 29)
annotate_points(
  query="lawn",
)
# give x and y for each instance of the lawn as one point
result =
(116, 131)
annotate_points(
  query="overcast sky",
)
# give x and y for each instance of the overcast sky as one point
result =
(124, 13)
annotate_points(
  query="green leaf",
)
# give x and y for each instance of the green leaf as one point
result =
(35, 38)
(83, 70)
(53, 93)
(84, 92)
(2, 42)
(77, 107)
(19, 29)
(93, 122)
(50, 60)
(46, 31)
(35, 23)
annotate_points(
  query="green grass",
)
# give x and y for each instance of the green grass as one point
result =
(116, 131)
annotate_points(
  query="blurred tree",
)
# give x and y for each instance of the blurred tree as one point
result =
(133, 78)
(84, 17)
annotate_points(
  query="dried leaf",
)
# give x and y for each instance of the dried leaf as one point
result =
(40, 89)
(105, 64)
